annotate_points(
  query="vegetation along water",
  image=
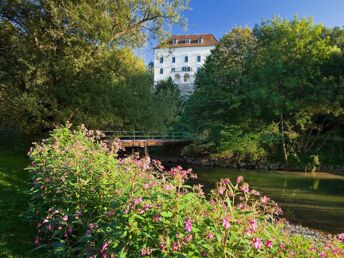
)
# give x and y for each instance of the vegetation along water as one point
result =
(316, 201)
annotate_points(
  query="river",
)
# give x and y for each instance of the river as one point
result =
(313, 201)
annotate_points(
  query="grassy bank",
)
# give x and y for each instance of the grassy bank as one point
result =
(15, 235)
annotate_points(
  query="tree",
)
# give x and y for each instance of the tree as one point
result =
(287, 83)
(272, 76)
(64, 59)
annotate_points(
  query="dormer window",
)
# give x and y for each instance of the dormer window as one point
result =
(187, 41)
(175, 41)
(200, 40)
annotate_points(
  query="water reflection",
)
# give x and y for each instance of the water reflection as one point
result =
(314, 201)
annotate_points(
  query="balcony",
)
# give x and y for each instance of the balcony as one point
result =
(182, 70)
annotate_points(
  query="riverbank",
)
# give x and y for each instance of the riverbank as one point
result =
(309, 233)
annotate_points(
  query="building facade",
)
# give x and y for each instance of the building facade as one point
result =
(181, 57)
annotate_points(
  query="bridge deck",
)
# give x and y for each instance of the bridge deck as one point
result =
(156, 142)
(146, 139)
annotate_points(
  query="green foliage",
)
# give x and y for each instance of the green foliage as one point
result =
(241, 144)
(64, 60)
(168, 101)
(276, 74)
(86, 202)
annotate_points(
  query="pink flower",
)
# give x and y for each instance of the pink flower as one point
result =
(187, 238)
(282, 246)
(268, 243)
(104, 247)
(138, 200)
(264, 199)
(37, 241)
(146, 251)
(168, 187)
(221, 190)
(70, 229)
(341, 237)
(226, 223)
(210, 236)
(158, 165)
(247, 232)
(241, 206)
(245, 188)
(240, 179)
(176, 246)
(253, 225)
(254, 192)
(92, 226)
(65, 218)
(188, 225)
(226, 181)
(156, 218)
(162, 245)
(257, 243)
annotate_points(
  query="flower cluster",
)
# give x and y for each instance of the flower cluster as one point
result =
(87, 202)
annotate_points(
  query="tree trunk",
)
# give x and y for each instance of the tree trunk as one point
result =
(284, 148)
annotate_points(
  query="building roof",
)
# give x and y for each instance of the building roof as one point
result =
(208, 40)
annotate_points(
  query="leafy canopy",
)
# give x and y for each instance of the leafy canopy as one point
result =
(69, 59)
(274, 76)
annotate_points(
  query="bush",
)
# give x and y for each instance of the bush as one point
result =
(87, 202)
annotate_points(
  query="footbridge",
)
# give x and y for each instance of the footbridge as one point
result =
(143, 139)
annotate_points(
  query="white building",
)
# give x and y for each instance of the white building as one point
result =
(180, 57)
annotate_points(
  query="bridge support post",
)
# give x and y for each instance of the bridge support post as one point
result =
(146, 151)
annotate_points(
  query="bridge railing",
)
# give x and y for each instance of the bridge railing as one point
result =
(144, 135)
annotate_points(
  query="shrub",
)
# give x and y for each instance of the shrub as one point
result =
(88, 202)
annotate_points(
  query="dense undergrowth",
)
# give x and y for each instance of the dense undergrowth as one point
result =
(88, 202)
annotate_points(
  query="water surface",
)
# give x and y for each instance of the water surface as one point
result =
(314, 201)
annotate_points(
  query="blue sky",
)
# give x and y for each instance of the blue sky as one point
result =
(219, 16)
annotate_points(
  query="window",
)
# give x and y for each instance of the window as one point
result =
(173, 70)
(198, 58)
(186, 69)
(187, 41)
(198, 69)
(175, 41)
(161, 60)
(200, 40)
(173, 59)
(161, 71)
(186, 59)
